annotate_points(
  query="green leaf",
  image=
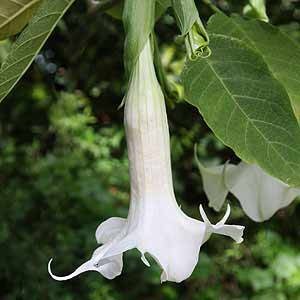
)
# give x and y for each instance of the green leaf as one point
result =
(14, 15)
(246, 107)
(279, 51)
(138, 19)
(30, 42)
(186, 14)
(4, 49)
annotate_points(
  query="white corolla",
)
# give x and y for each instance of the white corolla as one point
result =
(260, 194)
(155, 224)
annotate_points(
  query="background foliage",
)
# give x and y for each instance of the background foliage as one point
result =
(64, 170)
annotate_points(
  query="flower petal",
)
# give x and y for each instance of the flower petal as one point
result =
(111, 267)
(87, 266)
(226, 216)
(107, 230)
(260, 194)
(144, 260)
(106, 259)
(233, 231)
(213, 185)
(172, 239)
(203, 215)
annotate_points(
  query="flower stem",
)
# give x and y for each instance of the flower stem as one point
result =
(212, 6)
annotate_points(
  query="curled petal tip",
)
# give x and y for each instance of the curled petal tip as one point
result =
(144, 260)
(83, 268)
(227, 214)
(228, 208)
(163, 277)
(225, 218)
(51, 273)
(203, 215)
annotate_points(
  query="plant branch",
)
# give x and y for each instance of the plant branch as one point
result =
(103, 5)
(211, 5)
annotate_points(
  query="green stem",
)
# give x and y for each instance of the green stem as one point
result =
(107, 4)
(212, 6)
(168, 89)
(104, 5)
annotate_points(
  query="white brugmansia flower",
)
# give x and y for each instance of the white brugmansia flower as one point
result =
(260, 194)
(155, 223)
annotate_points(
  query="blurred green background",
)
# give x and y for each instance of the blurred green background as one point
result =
(64, 169)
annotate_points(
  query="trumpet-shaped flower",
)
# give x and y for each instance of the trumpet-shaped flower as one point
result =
(155, 223)
(259, 194)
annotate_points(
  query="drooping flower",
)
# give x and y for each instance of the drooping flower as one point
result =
(259, 194)
(155, 224)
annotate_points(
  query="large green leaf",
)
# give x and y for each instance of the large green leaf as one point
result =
(246, 107)
(279, 51)
(30, 42)
(14, 15)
